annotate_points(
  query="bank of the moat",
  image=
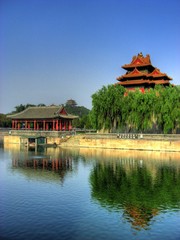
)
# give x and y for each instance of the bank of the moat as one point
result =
(149, 142)
(142, 142)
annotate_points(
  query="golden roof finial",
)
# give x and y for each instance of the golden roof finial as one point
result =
(140, 54)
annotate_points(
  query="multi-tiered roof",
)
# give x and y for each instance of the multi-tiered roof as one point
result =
(142, 74)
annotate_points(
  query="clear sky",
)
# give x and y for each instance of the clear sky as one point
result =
(55, 50)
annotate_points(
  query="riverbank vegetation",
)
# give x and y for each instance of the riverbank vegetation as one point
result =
(155, 110)
(115, 110)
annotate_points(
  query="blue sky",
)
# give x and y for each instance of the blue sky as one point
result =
(55, 50)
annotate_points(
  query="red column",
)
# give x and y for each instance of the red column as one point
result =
(37, 126)
(12, 124)
(18, 125)
(25, 124)
(47, 127)
(70, 125)
(28, 125)
(64, 125)
(60, 125)
(56, 125)
(34, 124)
(44, 125)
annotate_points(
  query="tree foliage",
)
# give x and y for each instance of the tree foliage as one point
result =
(167, 108)
(4, 121)
(83, 121)
(107, 107)
(157, 109)
(22, 107)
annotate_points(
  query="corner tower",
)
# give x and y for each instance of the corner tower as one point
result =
(140, 73)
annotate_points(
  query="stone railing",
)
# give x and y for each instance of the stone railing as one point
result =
(35, 133)
(133, 136)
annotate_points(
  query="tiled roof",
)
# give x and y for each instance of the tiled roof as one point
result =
(140, 71)
(43, 113)
(134, 73)
(142, 81)
(156, 74)
(134, 82)
(138, 61)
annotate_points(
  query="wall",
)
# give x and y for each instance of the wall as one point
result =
(50, 140)
(131, 144)
(32, 133)
(12, 139)
(126, 144)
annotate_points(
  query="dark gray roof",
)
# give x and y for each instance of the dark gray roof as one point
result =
(42, 113)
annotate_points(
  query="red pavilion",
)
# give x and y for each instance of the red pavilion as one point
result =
(47, 118)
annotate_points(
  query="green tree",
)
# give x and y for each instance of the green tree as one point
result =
(157, 109)
(107, 104)
(83, 121)
(4, 121)
(167, 108)
(21, 107)
(141, 109)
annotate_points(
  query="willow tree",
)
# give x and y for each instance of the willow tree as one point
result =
(167, 108)
(107, 107)
(138, 109)
(159, 108)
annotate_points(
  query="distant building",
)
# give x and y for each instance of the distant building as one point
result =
(53, 118)
(71, 103)
(140, 73)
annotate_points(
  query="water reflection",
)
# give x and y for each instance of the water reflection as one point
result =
(139, 185)
(141, 188)
(42, 163)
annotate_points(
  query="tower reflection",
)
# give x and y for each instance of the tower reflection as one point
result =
(141, 190)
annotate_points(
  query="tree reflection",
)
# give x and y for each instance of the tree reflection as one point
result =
(136, 190)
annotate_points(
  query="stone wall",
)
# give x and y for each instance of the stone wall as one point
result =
(32, 133)
(54, 140)
(12, 139)
(85, 141)
(127, 144)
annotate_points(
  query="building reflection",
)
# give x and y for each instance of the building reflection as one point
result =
(139, 217)
(43, 163)
(42, 166)
(140, 185)
(141, 190)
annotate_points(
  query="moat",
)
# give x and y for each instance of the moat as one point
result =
(62, 193)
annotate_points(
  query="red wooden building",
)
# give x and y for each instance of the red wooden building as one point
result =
(53, 118)
(140, 73)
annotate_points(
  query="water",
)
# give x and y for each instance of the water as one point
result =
(88, 194)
